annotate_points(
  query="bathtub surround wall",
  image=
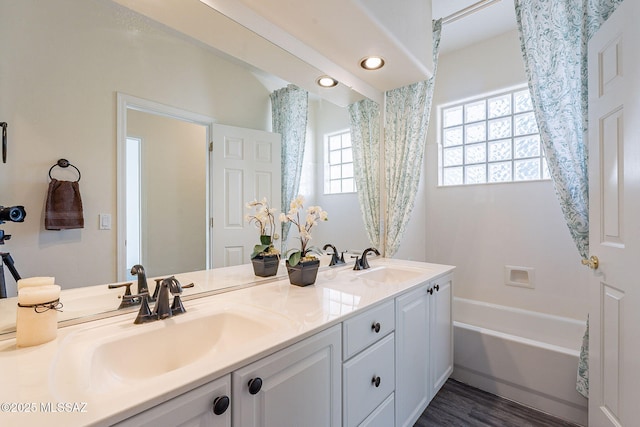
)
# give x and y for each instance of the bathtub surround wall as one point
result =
(483, 228)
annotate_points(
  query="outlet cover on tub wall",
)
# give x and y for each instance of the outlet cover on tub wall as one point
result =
(523, 277)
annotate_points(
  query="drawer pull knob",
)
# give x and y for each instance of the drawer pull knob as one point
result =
(430, 291)
(437, 287)
(375, 381)
(220, 405)
(255, 384)
(375, 327)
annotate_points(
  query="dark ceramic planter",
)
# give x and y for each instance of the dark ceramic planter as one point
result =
(303, 273)
(265, 265)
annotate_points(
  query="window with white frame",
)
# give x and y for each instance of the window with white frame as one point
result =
(489, 139)
(338, 164)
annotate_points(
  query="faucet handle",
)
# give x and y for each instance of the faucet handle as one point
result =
(357, 265)
(127, 299)
(176, 306)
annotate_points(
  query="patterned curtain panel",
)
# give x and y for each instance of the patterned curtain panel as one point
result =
(289, 108)
(554, 36)
(365, 137)
(407, 112)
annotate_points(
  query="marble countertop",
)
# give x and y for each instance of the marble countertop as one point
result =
(37, 380)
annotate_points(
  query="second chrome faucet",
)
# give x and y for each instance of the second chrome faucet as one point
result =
(362, 263)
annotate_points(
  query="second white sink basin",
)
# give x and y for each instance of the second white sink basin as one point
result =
(386, 274)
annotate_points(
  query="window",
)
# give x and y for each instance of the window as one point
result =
(338, 165)
(490, 139)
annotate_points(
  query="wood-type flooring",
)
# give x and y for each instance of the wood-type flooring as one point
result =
(460, 405)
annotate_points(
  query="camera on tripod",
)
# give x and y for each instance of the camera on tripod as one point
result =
(13, 214)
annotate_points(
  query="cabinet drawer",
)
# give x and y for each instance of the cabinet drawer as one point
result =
(361, 395)
(364, 329)
(383, 416)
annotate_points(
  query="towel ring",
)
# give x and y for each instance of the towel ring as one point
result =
(64, 163)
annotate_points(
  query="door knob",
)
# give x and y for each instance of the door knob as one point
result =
(593, 262)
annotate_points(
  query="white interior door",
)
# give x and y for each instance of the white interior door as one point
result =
(614, 235)
(245, 166)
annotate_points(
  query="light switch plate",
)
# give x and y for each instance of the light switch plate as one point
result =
(105, 222)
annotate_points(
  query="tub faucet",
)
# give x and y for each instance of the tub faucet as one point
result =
(362, 263)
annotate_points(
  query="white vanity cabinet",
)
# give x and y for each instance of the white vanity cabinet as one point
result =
(296, 386)
(441, 332)
(207, 405)
(424, 340)
(379, 368)
(368, 375)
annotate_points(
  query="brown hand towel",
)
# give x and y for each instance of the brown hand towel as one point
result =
(64, 206)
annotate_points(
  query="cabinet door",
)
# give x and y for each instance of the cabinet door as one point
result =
(441, 333)
(300, 385)
(412, 355)
(194, 408)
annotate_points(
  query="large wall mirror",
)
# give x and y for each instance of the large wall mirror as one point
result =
(63, 63)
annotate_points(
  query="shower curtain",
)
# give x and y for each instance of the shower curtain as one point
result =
(554, 36)
(289, 108)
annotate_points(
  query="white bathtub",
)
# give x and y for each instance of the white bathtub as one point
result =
(525, 356)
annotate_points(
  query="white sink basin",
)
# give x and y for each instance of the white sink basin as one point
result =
(112, 357)
(389, 274)
(176, 345)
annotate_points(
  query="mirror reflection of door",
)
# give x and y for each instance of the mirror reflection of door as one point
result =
(245, 166)
(166, 193)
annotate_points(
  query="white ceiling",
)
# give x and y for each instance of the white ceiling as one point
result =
(333, 35)
(496, 19)
(299, 40)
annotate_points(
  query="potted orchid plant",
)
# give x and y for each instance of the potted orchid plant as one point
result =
(302, 265)
(265, 256)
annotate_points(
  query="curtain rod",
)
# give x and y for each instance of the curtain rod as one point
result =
(468, 11)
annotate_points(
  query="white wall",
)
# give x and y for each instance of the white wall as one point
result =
(482, 228)
(62, 63)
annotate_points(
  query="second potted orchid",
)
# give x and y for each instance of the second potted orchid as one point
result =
(302, 265)
(265, 256)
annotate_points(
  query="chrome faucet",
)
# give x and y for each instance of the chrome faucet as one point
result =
(335, 260)
(129, 300)
(362, 263)
(163, 309)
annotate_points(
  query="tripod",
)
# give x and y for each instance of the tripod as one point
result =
(8, 261)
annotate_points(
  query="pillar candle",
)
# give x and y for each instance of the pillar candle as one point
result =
(35, 281)
(36, 325)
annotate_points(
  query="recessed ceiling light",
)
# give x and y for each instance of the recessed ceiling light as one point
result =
(372, 63)
(326, 81)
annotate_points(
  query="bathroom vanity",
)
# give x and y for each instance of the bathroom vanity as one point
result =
(357, 348)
